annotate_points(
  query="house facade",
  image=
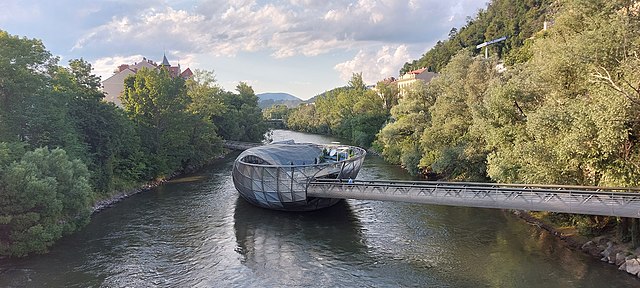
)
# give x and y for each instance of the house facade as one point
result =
(114, 85)
(408, 79)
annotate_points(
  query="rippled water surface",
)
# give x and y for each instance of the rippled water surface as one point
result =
(196, 232)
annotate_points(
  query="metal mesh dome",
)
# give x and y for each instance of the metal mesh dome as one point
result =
(276, 176)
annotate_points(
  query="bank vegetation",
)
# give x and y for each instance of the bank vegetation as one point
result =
(62, 148)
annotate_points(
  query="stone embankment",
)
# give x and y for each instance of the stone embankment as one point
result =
(601, 247)
(617, 254)
(106, 203)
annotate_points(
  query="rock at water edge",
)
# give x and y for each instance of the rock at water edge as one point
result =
(633, 266)
(620, 258)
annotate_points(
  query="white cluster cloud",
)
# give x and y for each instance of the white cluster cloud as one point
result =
(383, 34)
(296, 27)
(104, 67)
(375, 65)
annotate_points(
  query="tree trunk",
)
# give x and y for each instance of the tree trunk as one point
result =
(622, 229)
(635, 237)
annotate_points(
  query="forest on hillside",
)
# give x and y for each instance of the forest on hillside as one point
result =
(517, 20)
(62, 148)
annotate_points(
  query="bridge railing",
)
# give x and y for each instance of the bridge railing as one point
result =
(610, 201)
(239, 145)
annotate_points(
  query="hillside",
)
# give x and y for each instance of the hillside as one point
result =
(266, 100)
(277, 96)
(518, 20)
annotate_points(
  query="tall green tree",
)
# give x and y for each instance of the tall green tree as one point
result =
(353, 113)
(399, 139)
(156, 102)
(242, 118)
(24, 64)
(111, 145)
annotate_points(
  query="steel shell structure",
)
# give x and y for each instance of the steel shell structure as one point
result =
(276, 176)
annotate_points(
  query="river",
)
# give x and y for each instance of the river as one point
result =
(196, 232)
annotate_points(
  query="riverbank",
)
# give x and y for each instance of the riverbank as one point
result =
(112, 200)
(106, 203)
(602, 247)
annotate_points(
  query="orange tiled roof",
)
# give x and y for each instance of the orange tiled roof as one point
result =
(417, 71)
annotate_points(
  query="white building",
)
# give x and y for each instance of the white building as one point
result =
(409, 78)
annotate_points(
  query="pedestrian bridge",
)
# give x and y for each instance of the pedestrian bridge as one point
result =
(621, 202)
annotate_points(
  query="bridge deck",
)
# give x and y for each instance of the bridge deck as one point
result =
(622, 202)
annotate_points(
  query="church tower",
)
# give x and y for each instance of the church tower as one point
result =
(165, 62)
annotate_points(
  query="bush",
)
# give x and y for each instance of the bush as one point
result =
(43, 196)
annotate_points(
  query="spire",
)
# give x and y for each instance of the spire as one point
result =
(165, 62)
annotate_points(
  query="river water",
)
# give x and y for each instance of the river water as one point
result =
(195, 232)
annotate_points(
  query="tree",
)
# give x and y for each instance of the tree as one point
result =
(388, 92)
(398, 139)
(450, 147)
(242, 118)
(111, 146)
(157, 103)
(279, 111)
(24, 64)
(43, 196)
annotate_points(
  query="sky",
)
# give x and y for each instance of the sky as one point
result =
(301, 47)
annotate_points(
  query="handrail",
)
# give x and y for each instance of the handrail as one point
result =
(484, 184)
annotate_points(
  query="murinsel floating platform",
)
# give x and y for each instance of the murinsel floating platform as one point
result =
(276, 175)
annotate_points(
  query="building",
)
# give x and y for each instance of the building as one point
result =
(276, 176)
(114, 85)
(409, 78)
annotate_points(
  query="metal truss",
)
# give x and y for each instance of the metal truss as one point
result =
(621, 202)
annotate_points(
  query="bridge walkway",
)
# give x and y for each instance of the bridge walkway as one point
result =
(621, 202)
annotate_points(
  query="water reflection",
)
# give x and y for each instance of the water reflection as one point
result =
(291, 241)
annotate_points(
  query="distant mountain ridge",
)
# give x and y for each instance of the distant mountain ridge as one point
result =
(277, 96)
(266, 100)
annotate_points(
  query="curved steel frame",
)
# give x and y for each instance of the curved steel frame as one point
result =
(284, 187)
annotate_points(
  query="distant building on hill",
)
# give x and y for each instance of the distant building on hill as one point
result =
(114, 85)
(409, 78)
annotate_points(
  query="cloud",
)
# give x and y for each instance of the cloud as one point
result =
(375, 65)
(14, 11)
(284, 28)
(104, 67)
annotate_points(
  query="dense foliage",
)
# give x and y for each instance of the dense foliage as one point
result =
(353, 113)
(567, 113)
(241, 118)
(62, 147)
(44, 196)
(278, 111)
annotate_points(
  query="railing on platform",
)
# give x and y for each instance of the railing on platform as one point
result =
(238, 145)
(609, 201)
